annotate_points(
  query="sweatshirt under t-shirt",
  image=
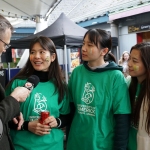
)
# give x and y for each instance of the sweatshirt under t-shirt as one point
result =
(97, 95)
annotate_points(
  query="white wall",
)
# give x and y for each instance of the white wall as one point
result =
(126, 40)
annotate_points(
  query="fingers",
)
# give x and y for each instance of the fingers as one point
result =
(20, 121)
(51, 121)
(20, 94)
(43, 131)
(53, 124)
(15, 120)
(38, 128)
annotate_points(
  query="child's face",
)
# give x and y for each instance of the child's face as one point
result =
(40, 58)
(90, 52)
(136, 66)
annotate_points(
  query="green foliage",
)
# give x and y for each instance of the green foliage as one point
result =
(12, 64)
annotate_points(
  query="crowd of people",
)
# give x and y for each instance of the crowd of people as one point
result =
(99, 107)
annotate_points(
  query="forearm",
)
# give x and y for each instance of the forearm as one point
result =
(62, 120)
(66, 120)
(9, 108)
(121, 131)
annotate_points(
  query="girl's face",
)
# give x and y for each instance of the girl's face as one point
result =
(126, 56)
(136, 66)
(40, 58)
(91, 53)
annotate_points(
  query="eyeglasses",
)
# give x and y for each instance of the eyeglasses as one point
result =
(6, 46)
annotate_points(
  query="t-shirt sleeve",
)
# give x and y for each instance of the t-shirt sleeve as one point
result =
(70, 88)
(64, 107)
(121, 100)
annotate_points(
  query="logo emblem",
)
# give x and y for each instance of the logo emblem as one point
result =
(88, 94)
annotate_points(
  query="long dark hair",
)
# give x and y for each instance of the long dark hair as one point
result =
(144, 95)
(54, 73)
(110, 57)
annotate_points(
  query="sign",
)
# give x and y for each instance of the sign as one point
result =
(133, 29)
(140, 27)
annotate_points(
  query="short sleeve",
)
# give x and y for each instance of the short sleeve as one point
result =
(64, 107)
(70, 87)
(121, 102)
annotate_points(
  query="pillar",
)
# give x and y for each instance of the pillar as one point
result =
(41, 24)
(114, 33)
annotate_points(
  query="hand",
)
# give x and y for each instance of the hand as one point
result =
(51, 121)
(19, 120)
(20, 94)
(38, 128)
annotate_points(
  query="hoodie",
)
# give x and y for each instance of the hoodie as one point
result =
(102, 108)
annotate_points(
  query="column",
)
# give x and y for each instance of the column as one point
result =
(41, 24)
(114, 33)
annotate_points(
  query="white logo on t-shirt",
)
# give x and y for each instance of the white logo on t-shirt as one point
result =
(88, 94)
(39, 103)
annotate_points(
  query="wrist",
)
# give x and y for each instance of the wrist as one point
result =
(15, 97)
(25, 126)
(58, 122)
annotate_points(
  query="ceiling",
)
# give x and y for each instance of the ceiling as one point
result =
(81, 10)
(28, 11)
(20, 10)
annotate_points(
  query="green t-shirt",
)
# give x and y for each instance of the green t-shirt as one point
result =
(41, 98)
(97, 97)
(132, 145)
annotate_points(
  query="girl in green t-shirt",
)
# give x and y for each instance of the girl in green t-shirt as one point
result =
(139, 89)
(99, 93)
(49, 95)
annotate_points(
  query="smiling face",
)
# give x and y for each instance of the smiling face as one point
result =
(136, 66)
(40, 58)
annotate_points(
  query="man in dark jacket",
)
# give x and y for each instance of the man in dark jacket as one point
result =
(9, 106)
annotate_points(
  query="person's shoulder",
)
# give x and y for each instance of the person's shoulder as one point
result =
(19, 81)
(78, 68)
(128, 80)
(116, 73)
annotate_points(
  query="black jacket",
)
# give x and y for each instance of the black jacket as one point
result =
(9, 108)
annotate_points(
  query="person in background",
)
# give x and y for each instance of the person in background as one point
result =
(49, 95)
(9, 106)
(139, 89)
(124, 63)
(99, 93)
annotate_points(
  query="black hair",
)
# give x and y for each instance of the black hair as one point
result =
(100, 38)
(144, 95)
(110, 57)
(54, 73)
